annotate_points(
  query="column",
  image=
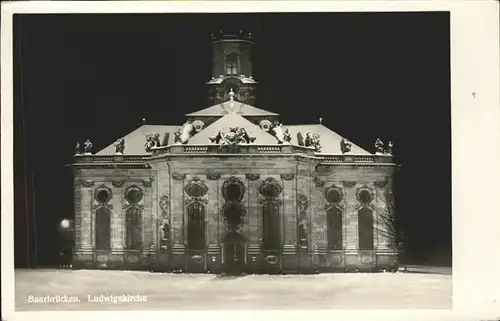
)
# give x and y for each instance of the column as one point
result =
(351, 217)
(117, 218)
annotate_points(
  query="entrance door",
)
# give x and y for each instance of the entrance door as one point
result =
(234, 254)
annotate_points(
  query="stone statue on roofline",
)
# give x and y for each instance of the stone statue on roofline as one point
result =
(77, 149)
(390, 147)
(119, 146)
(184, 133)
(345, 146)
(379, 147)
(310, 140)
(87, 147)
(152, 141)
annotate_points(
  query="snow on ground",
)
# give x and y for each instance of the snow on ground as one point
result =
(165, 291)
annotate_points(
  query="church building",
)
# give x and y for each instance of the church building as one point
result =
(234, 190)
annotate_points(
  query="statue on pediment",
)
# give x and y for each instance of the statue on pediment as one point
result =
(87, 147)
(119, 146)
(152, 141)
(235, 136)
(379, 147)
(345, 145)
(287, 136)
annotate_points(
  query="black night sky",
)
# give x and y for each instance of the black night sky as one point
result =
(367, 75)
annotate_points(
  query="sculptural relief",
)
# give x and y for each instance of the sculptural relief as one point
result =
(198, 125)
(235, 136)
(345, 146)
(265, 125)
(302, 205)
(310, 140)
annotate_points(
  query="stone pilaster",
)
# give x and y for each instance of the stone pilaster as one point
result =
(147, 218)
(318, 215)
(177, 216)
(213, 211)
(289, 214)
(117, 217)
(382, 217)
(87, 214)
(351, 216)
(254, 212)
(78, 214)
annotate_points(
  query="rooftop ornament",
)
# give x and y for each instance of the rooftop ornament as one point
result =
(152, 141)
(345, 146)
(379, 147)
(78, 149)
(184, 133)
(119, 146)
(87, 147)
(389, 149)
(310, 140)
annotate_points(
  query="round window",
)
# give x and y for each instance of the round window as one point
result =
(102, 196)
(134, 195)
(365, 196)
(333, 195)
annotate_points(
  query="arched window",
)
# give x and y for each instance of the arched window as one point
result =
(334, 228)
(365, 229)
(232, 65)
(196, 226)
(133, 228)
(270, 226)
(102, 228)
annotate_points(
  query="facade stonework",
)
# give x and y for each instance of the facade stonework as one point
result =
(234, 190)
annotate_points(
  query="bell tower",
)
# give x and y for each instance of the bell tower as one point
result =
(232, 68)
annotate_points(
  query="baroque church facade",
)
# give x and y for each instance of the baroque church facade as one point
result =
(234, 189)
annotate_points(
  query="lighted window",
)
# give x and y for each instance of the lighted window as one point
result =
(231, 66)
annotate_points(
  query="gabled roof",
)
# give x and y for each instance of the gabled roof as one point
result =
(329, 140)
(134, 141)
(233, 119)
(229, 106)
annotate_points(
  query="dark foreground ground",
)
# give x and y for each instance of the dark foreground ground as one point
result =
(419, 288)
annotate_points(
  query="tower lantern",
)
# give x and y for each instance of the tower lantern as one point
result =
(232, 68)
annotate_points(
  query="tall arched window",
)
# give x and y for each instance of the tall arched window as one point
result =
(102, 228)
(271, 236)
(365, 229)
(334, 228)
(196, 226)
(133, 228)
(232, 65)
(270, 226)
